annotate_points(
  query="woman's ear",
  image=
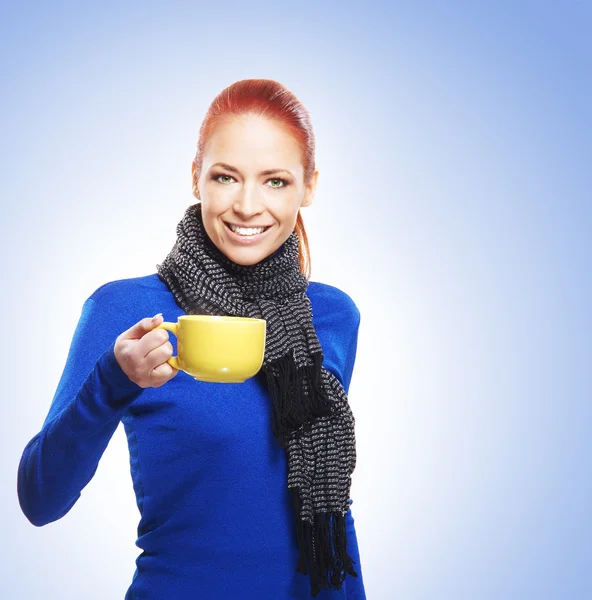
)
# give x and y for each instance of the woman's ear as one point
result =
(194, 180)
(310, 189)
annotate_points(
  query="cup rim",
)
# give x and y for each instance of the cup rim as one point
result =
(222, 318)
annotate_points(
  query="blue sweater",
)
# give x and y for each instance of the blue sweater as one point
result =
(216, 521)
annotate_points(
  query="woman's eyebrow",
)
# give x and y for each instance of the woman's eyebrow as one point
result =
(235, 170)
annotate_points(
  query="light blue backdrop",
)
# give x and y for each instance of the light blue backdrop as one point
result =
(454, 205)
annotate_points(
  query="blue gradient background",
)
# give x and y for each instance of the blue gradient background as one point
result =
(454, 205)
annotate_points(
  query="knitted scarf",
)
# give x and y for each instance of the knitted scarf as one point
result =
(310, 415)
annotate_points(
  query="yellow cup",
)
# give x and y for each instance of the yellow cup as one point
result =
(218, 348)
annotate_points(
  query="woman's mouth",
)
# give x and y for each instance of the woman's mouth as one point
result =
(245, 235)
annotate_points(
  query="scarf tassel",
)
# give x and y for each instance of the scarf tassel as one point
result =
(297, 395)
(322, 549)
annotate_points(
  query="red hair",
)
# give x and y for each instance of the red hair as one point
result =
(269, 99)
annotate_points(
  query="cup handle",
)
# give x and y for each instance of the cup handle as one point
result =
(172, 327)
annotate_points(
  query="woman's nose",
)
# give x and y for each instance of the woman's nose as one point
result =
(247, 203)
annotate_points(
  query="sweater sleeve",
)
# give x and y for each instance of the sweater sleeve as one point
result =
(355, 585)
(91, 397)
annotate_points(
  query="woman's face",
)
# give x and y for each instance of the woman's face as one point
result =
(259, 185)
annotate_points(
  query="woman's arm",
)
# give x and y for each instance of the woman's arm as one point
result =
(91, 397)
(354, 585)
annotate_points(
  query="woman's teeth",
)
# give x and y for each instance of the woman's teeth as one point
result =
(247, 230)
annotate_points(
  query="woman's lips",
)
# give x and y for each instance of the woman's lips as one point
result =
(246, 240)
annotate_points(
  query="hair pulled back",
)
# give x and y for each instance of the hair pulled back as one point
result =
(269, 99)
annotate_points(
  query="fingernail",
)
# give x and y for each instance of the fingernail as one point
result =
(155, 317)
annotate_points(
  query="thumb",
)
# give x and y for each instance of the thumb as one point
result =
(138, 330)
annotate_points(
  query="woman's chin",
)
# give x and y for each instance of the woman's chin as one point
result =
(248, 256)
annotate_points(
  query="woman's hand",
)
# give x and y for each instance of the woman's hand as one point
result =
(142, 353)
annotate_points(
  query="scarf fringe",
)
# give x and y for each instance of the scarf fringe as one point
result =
(289, 412)
(322, 548)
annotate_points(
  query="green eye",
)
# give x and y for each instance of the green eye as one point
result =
(283, 181)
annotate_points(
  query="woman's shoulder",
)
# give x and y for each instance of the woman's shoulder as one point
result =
(125, 301)
(128, 288)
(336, 301)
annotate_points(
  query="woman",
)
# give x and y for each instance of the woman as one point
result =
(243, 489)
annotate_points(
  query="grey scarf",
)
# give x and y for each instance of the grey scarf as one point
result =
(310, 414)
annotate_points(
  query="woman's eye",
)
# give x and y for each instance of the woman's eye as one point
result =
(283, 181)
(217, 177)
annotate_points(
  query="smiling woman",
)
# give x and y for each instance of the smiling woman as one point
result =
(243, 489)
(255, 167)
(247, 213)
